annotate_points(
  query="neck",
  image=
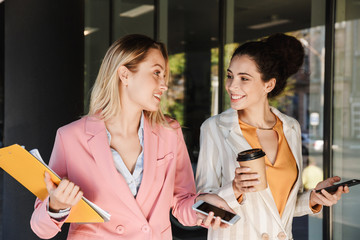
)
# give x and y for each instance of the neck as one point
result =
(124, 123)
(261, 118)
(127, 120)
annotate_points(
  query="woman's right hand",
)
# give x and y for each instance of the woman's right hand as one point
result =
(244, 181)
(64, 196)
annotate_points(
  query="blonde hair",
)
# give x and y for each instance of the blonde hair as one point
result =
(128, 51)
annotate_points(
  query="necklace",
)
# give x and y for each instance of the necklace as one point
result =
(260, 128)
(270, 128)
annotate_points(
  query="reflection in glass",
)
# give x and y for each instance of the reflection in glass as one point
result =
(192, 45)
(132, 17)
(173, 101)
(346, 107)
(105, 22)
(303, 96)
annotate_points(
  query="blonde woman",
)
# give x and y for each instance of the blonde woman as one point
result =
(258, 71)
(125, 155)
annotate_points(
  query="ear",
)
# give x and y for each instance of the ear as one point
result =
(270, 85)
(123, 73)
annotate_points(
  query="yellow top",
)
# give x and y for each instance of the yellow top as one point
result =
(281, 176)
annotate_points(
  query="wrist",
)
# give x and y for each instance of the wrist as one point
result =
(198, 197)
(51, 208)
(237, 193)
(311, 201)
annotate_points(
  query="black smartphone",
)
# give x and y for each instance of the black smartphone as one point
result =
(226, 216)
(332, 189)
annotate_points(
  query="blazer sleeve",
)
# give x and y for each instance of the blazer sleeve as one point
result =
(208, 171)
(184, 185)
(302, 206)
(41, 223)
(209, 167)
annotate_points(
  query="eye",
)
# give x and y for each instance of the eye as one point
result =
(157, 73)
(244, 79)
(229, 76)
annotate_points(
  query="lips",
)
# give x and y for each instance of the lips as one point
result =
(236, 97)
(157, 96)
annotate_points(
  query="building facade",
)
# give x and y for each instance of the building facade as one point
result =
(51, 53)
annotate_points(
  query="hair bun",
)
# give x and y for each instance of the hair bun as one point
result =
(289, 49)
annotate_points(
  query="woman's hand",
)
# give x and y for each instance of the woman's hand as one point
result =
(210, 221)
(244, 181)
(325, 198)
(64, 196)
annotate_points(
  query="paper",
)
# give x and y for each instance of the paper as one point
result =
(29, 170)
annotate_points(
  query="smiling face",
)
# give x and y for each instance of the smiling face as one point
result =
(244, 84)
(145, 86)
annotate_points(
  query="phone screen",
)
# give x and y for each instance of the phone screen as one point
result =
(218, 212)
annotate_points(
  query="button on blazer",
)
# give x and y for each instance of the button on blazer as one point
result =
(82, 154)
(220, 142)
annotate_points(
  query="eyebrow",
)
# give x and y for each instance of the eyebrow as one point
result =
(240, 73)
(158, 65)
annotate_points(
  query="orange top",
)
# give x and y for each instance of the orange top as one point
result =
(281, 176)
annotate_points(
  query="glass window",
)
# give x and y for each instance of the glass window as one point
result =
(191, 32)
(303, 96)
(193, 51)
(97, 40)
(105, 22)
(346, 107)
(192, 41)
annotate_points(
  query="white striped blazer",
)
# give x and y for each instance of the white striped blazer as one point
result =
(221, 140)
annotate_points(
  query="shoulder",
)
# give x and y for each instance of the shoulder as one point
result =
(226, 119)
(73, 125)
(86, 124)
(286, 120)
(173, 123)
(170, 128)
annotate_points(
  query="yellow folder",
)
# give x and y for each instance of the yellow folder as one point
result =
(29, 171)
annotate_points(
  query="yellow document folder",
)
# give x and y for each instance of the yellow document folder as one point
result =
(30, 172)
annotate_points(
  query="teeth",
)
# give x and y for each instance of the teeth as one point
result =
(157, 95)
(235, 97)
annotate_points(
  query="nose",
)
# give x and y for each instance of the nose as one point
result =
(233, 84)
(163, 85)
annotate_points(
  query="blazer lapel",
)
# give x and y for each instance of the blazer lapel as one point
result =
(267, 196)
(151, 141)
(234, 138)
(100, 149)
(290, 135)
(238, 143)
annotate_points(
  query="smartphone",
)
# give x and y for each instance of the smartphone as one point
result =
(226, 216)
(332, 189)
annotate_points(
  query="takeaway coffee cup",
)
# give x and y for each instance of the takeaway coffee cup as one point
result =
(255, 160)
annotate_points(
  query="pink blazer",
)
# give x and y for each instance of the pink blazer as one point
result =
(82, 154)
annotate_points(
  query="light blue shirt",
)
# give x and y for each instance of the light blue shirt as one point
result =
(133, 180)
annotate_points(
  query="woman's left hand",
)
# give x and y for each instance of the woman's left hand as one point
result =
(210, 221)
(325, 198)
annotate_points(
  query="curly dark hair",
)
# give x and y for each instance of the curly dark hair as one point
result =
(278, 56)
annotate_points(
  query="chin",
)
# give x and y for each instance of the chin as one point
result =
(236, 107)
(152, 109)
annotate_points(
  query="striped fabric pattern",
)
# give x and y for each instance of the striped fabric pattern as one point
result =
(221, 140)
